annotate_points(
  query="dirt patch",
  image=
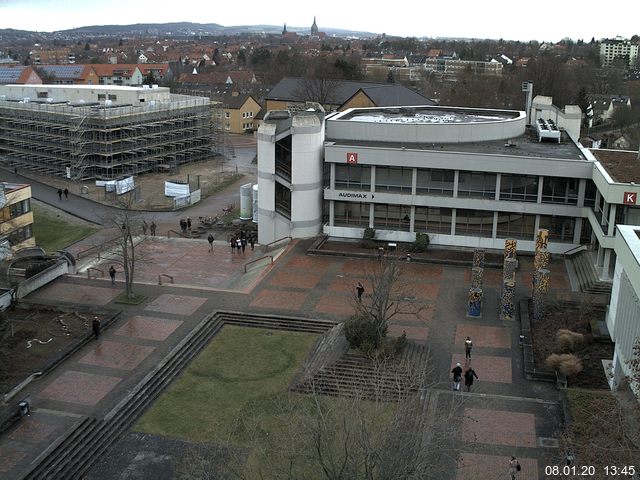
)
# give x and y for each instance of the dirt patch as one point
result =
(577, 318)
(33, 336)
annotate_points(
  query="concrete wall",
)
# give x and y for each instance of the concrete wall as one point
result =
(43, 278)
(570, 118)
(266, 139)
(87, 93)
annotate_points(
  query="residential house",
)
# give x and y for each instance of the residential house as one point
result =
(618, 48)
(239, 112)
(118, 74)
(68, 74)
(16, 218)
(18, 74)
(604, 105)
(293, 93)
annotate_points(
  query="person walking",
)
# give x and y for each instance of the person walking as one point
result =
(95, 326)
(210, 240)
(112, 274)
(457, 376)
(233, 245)
(359, 291)
(514, 467)
(144, 227)
(252, 241)
(238, 245)
(468, 345)
(188, 223)
(243, 243)
(468, 378)
(66, 193)
(152, 227)
(60, 193)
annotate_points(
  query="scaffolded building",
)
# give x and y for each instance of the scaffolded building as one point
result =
(102, 131)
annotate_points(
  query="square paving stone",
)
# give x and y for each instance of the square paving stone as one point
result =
(10, 458)
(341, 305)
(498, 427)
(31, 431)
(483, 336)
(293, 279)
(110, 354)
(149, 328)
(474, 466)
(279, 299)
(74, 293)
(311, 264)
(488, 368)
(79, 387)
(176, 304)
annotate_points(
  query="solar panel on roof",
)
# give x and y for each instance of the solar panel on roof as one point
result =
(63, 71)
(10, 75)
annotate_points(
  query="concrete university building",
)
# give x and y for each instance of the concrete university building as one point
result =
(467, 177)
(101, 131)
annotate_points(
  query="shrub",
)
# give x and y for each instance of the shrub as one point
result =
(368, 238)
(361, 333)
(568, 341)
(422, 242)
(565, 363)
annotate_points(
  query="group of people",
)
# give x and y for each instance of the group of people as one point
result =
(65, 192)
(151, 228)
(239, 241)
(185, 224)
(469, 373)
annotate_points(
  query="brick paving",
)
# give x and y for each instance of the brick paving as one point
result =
(97, 377)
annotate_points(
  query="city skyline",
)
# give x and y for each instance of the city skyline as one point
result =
(492, 19)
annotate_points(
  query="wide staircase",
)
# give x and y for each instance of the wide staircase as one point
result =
(71, 457)
(588, 279)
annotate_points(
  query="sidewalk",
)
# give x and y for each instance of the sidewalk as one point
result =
(504, 414)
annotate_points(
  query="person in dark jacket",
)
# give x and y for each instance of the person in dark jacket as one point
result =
(95, 326)
(457, 376)
(468, 378)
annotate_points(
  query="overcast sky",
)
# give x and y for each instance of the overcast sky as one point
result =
(509, 19)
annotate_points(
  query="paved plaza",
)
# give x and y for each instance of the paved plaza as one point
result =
(503, 415)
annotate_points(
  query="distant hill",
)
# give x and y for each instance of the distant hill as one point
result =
(179, 29)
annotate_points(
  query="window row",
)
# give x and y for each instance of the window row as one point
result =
(19, 235)
(439, 182)
(473, 223)
(15, 210)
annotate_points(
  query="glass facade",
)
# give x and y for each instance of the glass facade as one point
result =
(523, 188)
(477, 185)
(283, 200)
(392, 217)
(516, 225)
(353, 177)
(394, 179)
(435, 182)
(351, 214)
(433, 220)
(560, 190)
(474, 223)
(560, 228)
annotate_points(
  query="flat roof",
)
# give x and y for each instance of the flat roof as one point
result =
(623, 166)
(525, 146)
(426, 114)
(50, 86)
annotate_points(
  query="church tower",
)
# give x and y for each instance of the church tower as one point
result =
(314, 28)
(285, 29)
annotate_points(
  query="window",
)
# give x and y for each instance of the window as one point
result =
(433, 220)
(434, 181)
(102, 96)
(283, 200)
(227, 115)
(394, 179)
(20, 235)
(560, 190)
(15, 210)
(519, 187)
(477, 185)
(112, 97)
(351, 214)
(392, 217)
(560, 228)
(590, 194)
(516, 225)
(43, 94)
(474, 223)
(353, 177)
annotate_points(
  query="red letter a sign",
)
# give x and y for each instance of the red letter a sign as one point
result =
(352, 157)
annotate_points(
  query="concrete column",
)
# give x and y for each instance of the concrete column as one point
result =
(412, 222)
(456, 178)
(332, 178)
(498, 180)
(371, 212)
(453, 221)
(536, 227)
(582, 188)
(540, 184)
(373, 178)
(612, 219)
(414, 185)
(494, 230)
(599, 256)
(332, 213)
(604, 275)
(578, 230)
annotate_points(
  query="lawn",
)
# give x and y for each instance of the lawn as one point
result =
(53, 234)
(234, 378)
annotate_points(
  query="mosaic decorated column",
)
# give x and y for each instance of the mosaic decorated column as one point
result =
(510, 245)
(542, 239)
(474, 305)
(540, 289)
(541, 259)
(476, 277)
(478, 258)
(509, 269)
(506, 301)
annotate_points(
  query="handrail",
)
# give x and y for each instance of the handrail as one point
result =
(574, 250)
(164, 275)
(266, 246)
(97, 270)
(257, 259)
(180, 234)
(99, 247)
